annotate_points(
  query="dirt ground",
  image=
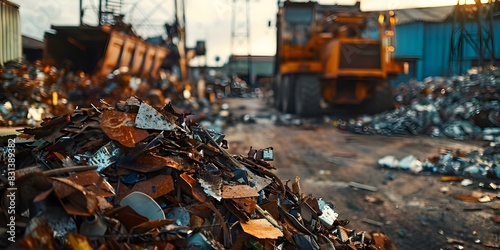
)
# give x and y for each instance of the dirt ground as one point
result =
(410, 208)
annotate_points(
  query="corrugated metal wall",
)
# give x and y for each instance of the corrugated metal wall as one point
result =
(409, 40)
(435, 59)
(429, 44)
(10, 32)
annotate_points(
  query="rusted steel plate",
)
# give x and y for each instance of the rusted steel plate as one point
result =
(74, 198)
(246, 204)
(156, 186)
(127, 216)
(261, 229)
(119, 126)
(191, 186)
(238, 191)
(93, 181)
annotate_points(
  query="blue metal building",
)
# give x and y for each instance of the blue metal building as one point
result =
(424, 39)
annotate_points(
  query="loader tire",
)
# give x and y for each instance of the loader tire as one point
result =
(288, 91)
(308, 96)
(381, 100)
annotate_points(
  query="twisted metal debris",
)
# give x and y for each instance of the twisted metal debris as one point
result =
(133, 177)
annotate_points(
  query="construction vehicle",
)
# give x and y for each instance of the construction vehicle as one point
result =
(328, 55)
(101, 50)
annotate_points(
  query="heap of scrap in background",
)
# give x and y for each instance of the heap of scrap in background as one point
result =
(460, 107)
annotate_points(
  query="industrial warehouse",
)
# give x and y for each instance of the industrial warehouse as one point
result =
(246, 124)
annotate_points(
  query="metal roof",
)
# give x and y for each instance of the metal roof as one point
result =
(431, 15)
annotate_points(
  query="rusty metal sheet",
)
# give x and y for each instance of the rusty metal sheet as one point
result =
(74, 198)
(156, 186)
(271, 207)
(93, 181)
(238, 191)
(149, 118)
(127, 216)
(192, 187)
(246, 204)
(119, 126)
(261, 229)
(149, 162)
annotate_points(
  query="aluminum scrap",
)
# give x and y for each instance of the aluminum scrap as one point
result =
(150, 118)
(157, 189)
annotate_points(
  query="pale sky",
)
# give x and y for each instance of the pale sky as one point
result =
(208, 20)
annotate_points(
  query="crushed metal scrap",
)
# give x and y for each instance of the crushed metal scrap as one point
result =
(134, 177)
(460, 107)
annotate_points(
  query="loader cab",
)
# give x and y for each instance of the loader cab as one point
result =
(298, 23)
(296, 28)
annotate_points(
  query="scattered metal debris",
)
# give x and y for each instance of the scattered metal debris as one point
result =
(480, 168)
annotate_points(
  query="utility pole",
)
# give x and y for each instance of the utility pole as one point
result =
(240, 34)
(81, 12)
(99, 15)
(181, 45)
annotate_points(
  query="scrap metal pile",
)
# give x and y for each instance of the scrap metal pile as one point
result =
(31, 91)
(131, 176)
(461, 107)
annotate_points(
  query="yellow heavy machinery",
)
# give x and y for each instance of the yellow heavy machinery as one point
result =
(333, 54)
